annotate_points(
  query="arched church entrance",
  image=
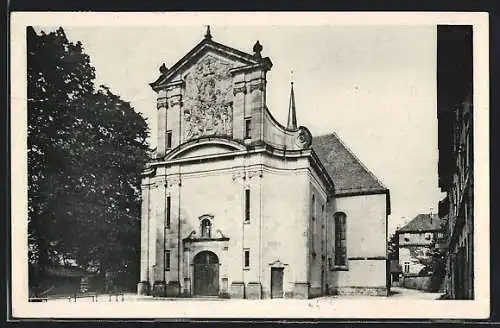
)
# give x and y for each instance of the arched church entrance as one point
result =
(206, 274)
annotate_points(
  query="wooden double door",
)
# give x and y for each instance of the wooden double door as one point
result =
(206, 274)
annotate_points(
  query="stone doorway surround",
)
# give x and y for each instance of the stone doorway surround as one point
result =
(193, 245)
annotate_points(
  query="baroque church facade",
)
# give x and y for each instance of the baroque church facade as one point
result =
(235, 204)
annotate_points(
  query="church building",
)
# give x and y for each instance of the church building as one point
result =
(235, 204)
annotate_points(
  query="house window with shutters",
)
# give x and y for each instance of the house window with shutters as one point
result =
(340, 259)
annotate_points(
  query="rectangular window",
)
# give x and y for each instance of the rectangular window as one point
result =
(169, 139)
(167, 219)
(167, 260)
(247, 258)
(407, 267)
(247, 205)
(248, 128)
(340, 240)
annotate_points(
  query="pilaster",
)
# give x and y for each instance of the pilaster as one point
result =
(144, 273)
(161, 106)
(174, 234)
(152, 229)
(174, 115)
(255, 102)
(239, 94)
(160, 229)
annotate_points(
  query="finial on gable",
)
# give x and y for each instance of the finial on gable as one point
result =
(163, 68)
(208, 35)
(257, 49)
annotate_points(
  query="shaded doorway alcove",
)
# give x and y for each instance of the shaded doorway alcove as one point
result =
(206, 274)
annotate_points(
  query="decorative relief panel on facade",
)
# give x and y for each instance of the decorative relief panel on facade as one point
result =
(220, 234)
(208, 100)
(304, 138)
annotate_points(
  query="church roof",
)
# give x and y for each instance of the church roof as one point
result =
(349, 175)
(423, 222)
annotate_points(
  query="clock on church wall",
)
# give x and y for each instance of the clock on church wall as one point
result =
(208, 100)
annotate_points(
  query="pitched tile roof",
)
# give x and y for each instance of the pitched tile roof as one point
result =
(347, 172)
(422, 222)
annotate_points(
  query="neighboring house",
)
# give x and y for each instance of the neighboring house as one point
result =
(416, 239)
(456, 159)
(236, 204)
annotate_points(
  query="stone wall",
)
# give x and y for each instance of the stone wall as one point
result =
(366, 225)
(416, 282)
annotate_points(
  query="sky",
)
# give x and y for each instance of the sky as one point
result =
(375, 86)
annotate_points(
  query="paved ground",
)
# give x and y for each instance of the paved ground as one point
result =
(396, 293)
(404, 293)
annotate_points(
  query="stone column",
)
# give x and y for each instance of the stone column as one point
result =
(143, 286)
(161, 106)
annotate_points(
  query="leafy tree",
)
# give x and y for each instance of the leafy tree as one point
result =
(57, 73)
(392, 247)
(86, 149)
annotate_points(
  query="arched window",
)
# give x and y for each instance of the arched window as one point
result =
(206, 228)
(340, 239)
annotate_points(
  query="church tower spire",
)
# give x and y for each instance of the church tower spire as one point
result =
(208, 35)
(292, 118)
